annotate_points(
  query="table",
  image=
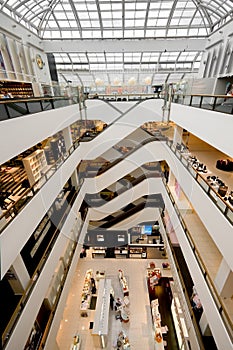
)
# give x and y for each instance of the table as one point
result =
(123, 283)
(76, 343)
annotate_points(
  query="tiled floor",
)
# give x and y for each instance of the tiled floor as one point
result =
(139, 328)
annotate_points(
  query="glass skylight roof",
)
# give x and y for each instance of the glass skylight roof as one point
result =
(121, 20)
(57, 19)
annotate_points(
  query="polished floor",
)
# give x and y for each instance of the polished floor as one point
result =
(139, 329)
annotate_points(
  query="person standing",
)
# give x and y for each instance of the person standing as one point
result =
(5, 94)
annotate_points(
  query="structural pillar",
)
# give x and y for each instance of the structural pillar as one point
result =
(68, 143)
(178, 133)
(19, 276)
(203, 323)
(224, 280)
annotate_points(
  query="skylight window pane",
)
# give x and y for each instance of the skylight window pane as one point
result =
(61, 24)
(104, 7)
(171, 32)
(106, 14)
(193, 31)
(184, 21)
(177, 13)
(141, 5)
(202, 31)
(91, 7)
(150, 33)
(140, 14)
(164, 13)
(66, 7)
(55, 34)
(81, 7)
(70, 15)
(160, 33)
(139, 22)
(182, 32)
(129, 23)
(87, 34)
(153, 13)
(117, 14)
(161, 22)
(61, 15)
(73, 24)
(95, 24)
(129, 33)
(130, 6)
(87, 24)
(117, 23)
(66, 34)
(107, 24)
(116, 6)
(175, 21)
(107, 34)
(129, 14)
(139, 33)
(83, 15)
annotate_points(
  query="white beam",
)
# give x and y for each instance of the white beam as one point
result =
(148, 45)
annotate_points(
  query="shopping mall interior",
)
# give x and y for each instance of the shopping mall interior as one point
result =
(116, 175)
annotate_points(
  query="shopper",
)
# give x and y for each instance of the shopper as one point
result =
(5, 94)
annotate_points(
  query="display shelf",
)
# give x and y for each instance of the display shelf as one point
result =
(156, 318)
(76, 345)
(137, 252)
(98, 252)
(86, 293)
(35, 165)
(123, 282)
(17, 89)
(121, 253)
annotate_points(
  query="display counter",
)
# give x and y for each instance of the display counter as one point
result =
(100, 328)
(156, 317)
(98, 252)
(123, 282)
(123, 341)
(137, 252)
(86, 293)
(76, 345)
(121, 253)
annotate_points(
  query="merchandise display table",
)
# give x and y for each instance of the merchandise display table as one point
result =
(76, 343)
(86, 293)
(98, 253)
(156, 317)
(123, 341)
(121, 253)
(123, 283)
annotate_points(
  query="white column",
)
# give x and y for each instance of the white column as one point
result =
(224, 280)
(205, 329)
(68, 143)
(171, 179)
(67, 137)
(178, 132)
(20, 282)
